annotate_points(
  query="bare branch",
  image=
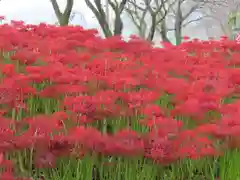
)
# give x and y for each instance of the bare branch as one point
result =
(182, 10)
(193, 21)
(218, 16)
(138, 13)
(100, 14)
(192, 9)
(122, 5)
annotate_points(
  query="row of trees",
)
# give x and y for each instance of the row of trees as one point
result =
(152, 17)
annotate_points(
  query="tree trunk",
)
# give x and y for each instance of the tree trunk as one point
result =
(178, 24)
(152, 29)
(178, 33)
(118, 24)
(101, 16)
(63, 18)
(163, 32)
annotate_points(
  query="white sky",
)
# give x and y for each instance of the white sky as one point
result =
(36, 11)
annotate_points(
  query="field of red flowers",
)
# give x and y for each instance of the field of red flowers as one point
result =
(76, 106)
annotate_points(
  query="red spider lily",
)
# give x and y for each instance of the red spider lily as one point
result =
(8, 167)
(8, 70)
(190, 107)
(7, 176)
(160, 150)
(7, 95)
(197, 106)
(208, 129)
(90, 139)
(62, 89)
(97, 79)
(138, 99)
(186, 38)
(43, 125)
(25, 57)
(45, 159)
(152, 111)
(163, 126)
(191, 145)
(175, 85)
(125, 143)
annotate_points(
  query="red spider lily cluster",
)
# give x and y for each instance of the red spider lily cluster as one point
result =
(98, 83)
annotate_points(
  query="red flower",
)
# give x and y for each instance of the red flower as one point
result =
(152, 111)
(8, 70)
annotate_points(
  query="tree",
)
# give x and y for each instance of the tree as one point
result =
(217, 21)
(172, 16)
(183, 13)
(102, 17)
(65, 16)
(139, 13)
